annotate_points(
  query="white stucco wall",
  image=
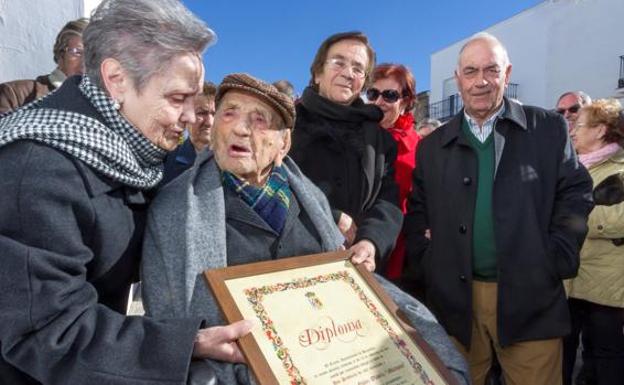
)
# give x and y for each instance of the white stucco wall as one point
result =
(28, 29)
(556, 46)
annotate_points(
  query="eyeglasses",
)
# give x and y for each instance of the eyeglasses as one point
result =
(339, 64)
(75, 52)
(573, 109)
(389, 96)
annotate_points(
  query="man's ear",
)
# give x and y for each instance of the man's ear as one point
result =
(283, 151)
(507, 74)
(115, 79)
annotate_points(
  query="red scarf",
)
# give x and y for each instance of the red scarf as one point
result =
(407, 142)
(403, 129)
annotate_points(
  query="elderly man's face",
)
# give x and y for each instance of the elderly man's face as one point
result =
(204, 114)
(167, 102)
(482, 77)
(569, 107)
(245, 138)
(71, 61)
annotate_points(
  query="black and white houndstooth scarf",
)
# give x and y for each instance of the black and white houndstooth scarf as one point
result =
(117, 150)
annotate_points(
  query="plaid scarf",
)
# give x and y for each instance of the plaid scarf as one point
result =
(116, 149)
(271, 202)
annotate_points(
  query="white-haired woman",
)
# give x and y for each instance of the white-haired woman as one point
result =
(75, 166)
(596, 295)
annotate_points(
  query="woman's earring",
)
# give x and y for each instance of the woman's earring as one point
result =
(116, 104)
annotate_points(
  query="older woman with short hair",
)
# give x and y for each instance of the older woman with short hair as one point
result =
(76, 165)
(596, 295)
(339, 145)
(393, 90)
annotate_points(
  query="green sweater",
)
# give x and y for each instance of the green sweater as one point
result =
(483, 242)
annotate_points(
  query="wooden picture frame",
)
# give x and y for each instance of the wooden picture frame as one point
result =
(316, 272)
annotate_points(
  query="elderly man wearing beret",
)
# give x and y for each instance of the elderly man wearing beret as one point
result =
(244, 201)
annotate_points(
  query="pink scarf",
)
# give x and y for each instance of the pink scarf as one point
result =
(598, 156)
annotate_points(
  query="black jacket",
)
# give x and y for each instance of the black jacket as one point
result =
(70, 241)
(345, 152)
(541, 200)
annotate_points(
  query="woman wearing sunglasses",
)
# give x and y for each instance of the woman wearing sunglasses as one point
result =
(394, 91)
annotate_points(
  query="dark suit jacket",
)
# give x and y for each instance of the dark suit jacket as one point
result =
(178, 161)
(541, 200)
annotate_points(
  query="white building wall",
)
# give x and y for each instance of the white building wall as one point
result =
(28, 29)
(556, 46)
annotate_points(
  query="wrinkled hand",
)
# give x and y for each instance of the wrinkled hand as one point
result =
(364, 252)
(348, 228)
(219, 342)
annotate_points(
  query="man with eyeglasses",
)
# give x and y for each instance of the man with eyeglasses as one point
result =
(569, 104)
(68, 55)
(506, 202)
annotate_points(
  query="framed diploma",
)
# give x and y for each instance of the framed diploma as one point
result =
(322, 320)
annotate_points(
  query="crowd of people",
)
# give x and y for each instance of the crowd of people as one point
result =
(499, 233)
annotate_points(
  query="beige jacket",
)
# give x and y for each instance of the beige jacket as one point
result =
(601, 274)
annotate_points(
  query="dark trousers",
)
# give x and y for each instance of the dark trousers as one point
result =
(603, 329)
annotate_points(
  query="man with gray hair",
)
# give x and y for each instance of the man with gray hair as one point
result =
(569, 104)
(68, 56)
(506, 203)
(427, 126)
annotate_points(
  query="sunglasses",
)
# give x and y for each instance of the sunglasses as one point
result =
(573, 110)
(389, 96)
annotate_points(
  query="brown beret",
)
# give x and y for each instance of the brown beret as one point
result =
(281, 102)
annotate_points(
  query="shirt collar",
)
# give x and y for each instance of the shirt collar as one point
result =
(473, 123)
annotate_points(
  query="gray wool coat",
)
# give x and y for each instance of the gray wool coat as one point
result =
(187, 232)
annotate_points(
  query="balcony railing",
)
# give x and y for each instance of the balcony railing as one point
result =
(621, 79)
(446, 108)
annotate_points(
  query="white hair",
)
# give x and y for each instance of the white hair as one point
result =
(143, 35)
(488, 37)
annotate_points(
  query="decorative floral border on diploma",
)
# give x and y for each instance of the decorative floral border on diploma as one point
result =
(256, 294)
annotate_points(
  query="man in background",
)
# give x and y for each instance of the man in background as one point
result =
(198, 139)
(569, 104)
(426, 126)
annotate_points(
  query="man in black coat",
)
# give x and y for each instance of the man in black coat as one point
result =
(506, 202)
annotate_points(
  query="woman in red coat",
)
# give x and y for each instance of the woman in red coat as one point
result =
(394, 91)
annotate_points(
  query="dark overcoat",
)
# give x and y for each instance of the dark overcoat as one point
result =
(541, 200)
(362, 187)
(70, 242)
